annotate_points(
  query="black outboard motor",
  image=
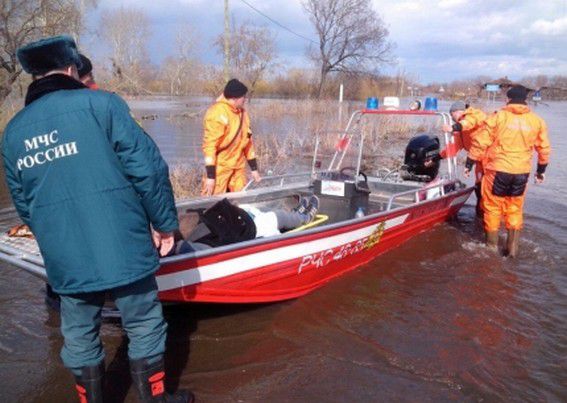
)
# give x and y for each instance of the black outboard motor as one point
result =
(422, 149)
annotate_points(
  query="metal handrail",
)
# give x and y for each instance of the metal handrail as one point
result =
(31, 264)
(281, 177)
(448, 138)
(416, 192)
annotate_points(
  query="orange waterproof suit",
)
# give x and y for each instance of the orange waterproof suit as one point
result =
(465, 129)
(227, 145)
(506, 145)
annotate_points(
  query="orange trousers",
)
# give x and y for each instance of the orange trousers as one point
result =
(496, 208)
(228, 179)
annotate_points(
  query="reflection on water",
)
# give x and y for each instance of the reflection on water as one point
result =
(438, 319)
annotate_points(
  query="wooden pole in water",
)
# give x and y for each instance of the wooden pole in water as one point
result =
(226, 43)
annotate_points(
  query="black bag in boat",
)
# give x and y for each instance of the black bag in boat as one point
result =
(227, 224)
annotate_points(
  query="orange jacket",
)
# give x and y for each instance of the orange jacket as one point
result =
(471, 123)
(227, 140)
(508, 139)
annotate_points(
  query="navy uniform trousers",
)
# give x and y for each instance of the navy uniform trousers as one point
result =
(142, 319)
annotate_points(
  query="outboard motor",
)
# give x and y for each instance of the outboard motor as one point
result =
(422, 149)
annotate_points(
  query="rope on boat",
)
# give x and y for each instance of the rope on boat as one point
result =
(319, 218)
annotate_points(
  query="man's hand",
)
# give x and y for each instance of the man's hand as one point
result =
(209, 186)
(447, 128)
(256, 176)
(163, 241)
(539, 178)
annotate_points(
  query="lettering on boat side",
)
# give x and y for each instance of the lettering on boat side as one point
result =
(323, 258)
(374, 238)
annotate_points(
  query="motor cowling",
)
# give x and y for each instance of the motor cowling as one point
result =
(422, 158)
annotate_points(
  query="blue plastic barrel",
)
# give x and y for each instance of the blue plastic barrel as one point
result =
(372, 103)
(430, 104)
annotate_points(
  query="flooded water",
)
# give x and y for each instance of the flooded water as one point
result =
(438, 319)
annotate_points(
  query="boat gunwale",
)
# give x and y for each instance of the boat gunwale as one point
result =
(310, 231)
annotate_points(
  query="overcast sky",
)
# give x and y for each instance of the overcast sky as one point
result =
(434, 40)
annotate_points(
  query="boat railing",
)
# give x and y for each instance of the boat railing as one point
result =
(350, 132)
(282, 179)
(416, 193)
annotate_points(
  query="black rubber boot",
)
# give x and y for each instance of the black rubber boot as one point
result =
(90, 384)
(149, 380)
(478, 194)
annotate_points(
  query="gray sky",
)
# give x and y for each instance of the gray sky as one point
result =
(434, 40)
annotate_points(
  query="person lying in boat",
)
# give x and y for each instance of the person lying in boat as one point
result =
(225, 223)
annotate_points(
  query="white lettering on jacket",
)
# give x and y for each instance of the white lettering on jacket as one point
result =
(48, 155)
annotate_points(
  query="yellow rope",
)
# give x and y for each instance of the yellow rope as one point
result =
(319, 218)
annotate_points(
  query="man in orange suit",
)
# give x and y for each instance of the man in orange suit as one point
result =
(468, 122)
(227, 142)
(506, 145)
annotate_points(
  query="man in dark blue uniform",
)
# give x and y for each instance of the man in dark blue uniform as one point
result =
(91, 184)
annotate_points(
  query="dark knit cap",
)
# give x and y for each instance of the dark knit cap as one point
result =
(86, 66)
(517, 93)
(234, 89)
(48, 54)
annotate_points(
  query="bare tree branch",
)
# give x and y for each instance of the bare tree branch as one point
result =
(352, 37)
(252, 54)
(22, 21)
(128, 46)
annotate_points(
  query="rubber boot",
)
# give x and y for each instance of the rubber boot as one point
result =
(149, 380)
(90, 384)
(512, 242)
(492, 240)
(478, 194)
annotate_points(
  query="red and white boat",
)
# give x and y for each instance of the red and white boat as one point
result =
(295, 263)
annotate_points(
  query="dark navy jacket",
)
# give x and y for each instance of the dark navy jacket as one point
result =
(88, 181)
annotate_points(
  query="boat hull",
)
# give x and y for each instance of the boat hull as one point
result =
(282, 268)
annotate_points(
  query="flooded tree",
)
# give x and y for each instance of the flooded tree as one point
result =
(252, 53)
(126, 31)
(352, 37)
(178, 71)
(22, 21)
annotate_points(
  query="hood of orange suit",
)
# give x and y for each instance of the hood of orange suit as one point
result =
(518, 109)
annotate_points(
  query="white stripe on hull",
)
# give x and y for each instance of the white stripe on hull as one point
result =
(267, 257)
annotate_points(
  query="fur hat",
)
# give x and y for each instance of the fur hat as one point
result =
(86, 65)
(517, 93)
(234, 89)
(458, 106)
(48, 54)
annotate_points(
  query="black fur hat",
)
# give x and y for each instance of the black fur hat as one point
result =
(48, 54)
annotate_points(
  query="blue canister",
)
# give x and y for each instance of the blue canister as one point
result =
(372, 103)
(430, 104)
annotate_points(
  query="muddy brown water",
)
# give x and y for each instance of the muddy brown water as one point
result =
(438, 319)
